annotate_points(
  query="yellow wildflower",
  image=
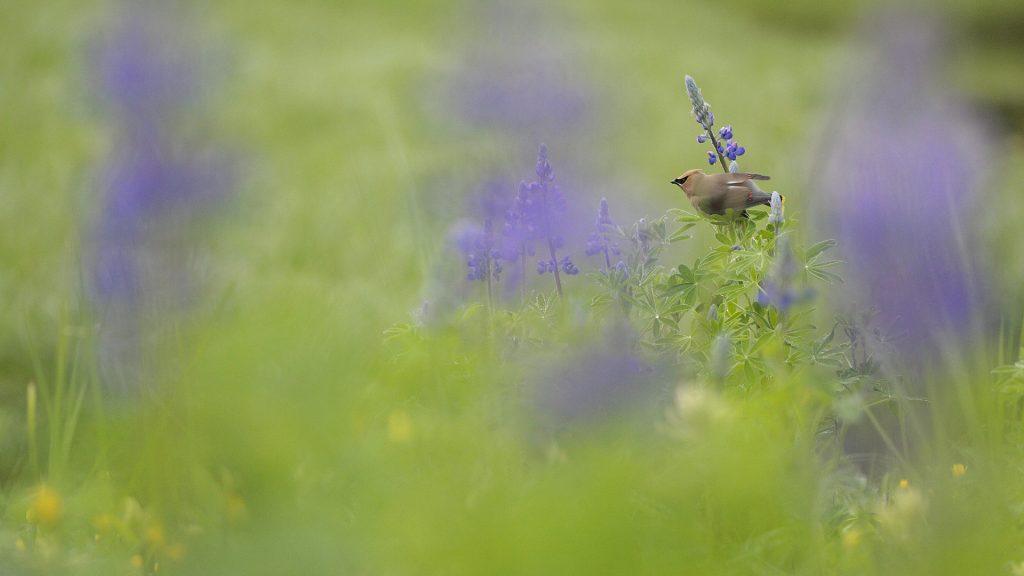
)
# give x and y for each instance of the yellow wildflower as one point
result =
(904, 484)
(959, 470)
(901, 517)
(154, 536)
(175, 551)
(852, 537)
(46, 508)
(234, 507)
(103, 523)
(400, 428)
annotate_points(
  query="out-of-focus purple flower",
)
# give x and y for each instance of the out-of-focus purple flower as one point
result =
(520, 74)
(725, 132)
(590, 384)
(568, 267)
(483, 258)
(622, 269)
(565, 265)
(152, 179)
(156, 186)
(537, 215)
(601, 240)
(148, 71)
(904, 174)
(780, 289)
(712, 158)
(701, 138)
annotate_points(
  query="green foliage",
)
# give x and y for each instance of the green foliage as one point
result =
(301, 422)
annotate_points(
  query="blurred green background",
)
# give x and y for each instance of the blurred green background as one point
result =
(297, 439)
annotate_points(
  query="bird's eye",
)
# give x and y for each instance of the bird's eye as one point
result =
(683, 179)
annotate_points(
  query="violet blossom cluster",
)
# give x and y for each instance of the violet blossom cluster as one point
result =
(780, 289)
(535, 217)
(906, 178)
(601, 240)
(142, 253)
(727, 148)
(483, 254)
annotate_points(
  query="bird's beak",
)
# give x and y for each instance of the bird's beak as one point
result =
(676, 181)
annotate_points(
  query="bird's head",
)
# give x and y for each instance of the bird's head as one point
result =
(688, 181)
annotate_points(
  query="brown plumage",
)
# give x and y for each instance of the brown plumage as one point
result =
(716, 193)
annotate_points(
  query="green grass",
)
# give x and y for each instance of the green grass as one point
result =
(294, 437)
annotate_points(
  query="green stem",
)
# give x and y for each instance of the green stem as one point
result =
(714, 143)
(558, 278)
(522, 265)
(32, 411)
(490, 290)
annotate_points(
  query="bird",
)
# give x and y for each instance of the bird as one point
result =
(716, 193)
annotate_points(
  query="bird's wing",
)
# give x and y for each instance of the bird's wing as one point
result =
(738, 177)
(742, 197)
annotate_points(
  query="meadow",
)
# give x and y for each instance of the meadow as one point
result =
(403, 288)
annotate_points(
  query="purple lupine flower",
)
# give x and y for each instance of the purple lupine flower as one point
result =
(537, 214)
(600, 241)
(622, 269)
(527, 83)
(775, 213)
(151, 179)
(147, 70)
(780, 289)
(483, 258)
(727, 148)
(906, 165)
(701, 109)
(591, 383)
(156, 187)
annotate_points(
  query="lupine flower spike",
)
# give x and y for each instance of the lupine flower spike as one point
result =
(702, 113)
(600, 241)
(775, 214)
(483, 259)
(536, 215)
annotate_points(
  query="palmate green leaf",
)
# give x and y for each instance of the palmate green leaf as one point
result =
(398, 330)
(732, 290)
(685, 273)
(681, 306)
(818, 248)
(824, 275)
(681, 234)
(680, 288)
(681, 215)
